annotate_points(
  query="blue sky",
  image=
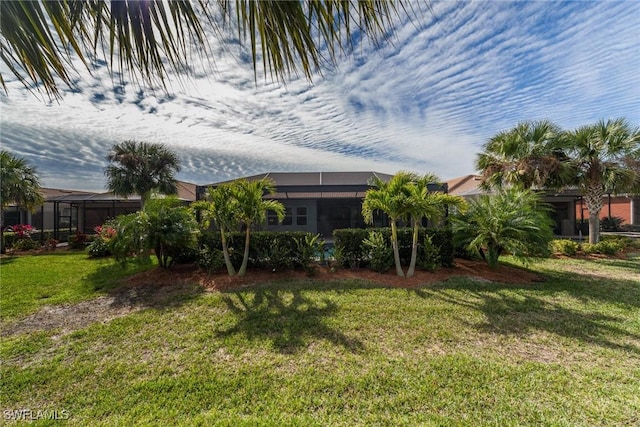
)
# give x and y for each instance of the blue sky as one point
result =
(425, 101)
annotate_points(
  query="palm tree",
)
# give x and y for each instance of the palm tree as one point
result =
(252, 209)
(146, 38)
(220, 205)
(529, 155)
(140, 168)
(603, 156)
(19, 185)
(423, 203)
(391, 198)
(512, 220)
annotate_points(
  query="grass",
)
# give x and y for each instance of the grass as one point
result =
(562, 352)
(29, 282)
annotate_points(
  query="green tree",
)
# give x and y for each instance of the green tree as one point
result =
(423, 203)
(148, 38)
(391, 198)
(141, 168)
(165, 225)
(19, 185)
(529, 155)
(512, 220)
(220, 206)
(604, 160)
(252, 209)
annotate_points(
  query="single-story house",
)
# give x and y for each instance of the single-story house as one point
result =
(68, 211)
(319, 202)
(569, 211)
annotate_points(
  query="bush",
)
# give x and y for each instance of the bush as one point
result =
(78, 241)
(25, 244)
(604, 247)
(309, 248)
(210, 259)
(611, 223)
(378, 252)
(430, 259)
(350, 253)
(624, 241)
(564, 247)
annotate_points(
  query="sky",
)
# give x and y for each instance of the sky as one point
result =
(425, 101)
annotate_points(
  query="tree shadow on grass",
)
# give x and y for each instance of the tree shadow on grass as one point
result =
(516, 309)
(286, 318)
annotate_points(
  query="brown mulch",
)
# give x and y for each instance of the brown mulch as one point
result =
(164, 287)
(221, 281)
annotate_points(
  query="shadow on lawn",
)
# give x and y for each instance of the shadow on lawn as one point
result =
(285, 317)
(522, 309)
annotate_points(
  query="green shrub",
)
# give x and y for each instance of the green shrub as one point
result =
(78, 241)
(378, 251)
(349, 250)
(605, 247)
(430, 259)
(210, 259)
(98, 248)
(624, 241)
(348, 247)
(564, 247)
(25, 244)
(309, 248)
(611, 223)
(9, 239)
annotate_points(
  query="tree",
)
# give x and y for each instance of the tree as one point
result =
(164, 225)
(529, 155)
(512, 220)
(252, 209)
(391, 198)
(146, 38)
(604, 160)
(220, 206)
(423, 203)
(19, 185)
(140, 168)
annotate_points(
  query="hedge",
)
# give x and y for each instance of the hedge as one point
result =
(351, 253)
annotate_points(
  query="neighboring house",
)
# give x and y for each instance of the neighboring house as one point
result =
(67, 211)
(569, 213)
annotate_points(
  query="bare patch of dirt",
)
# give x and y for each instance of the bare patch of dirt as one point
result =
(161, 288)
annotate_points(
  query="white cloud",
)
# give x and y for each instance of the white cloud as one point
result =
(425, 102)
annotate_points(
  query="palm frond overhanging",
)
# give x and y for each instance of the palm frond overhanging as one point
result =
(39, 39)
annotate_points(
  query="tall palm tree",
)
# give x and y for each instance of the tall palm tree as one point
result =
(423, 203)
(603, 156)
(529, 155)
(252, 209)
(391, 198)
(140, 168)
(221, 206)
(19, 185)
(148, 38)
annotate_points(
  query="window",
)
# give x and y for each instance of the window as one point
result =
(288, 219)
(301, 216)
(272, 218)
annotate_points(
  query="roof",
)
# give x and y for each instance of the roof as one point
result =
(186, 191)
(316, 178)
(465, 185)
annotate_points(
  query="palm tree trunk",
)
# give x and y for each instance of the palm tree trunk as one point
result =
(394, 245)
(2, 248)
(245, 258)
(594, 202)
(225, 252)
(414, 248)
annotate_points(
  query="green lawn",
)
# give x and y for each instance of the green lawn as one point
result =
(561, 352)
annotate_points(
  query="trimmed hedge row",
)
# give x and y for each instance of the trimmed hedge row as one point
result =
(267, 249)
(350, 252)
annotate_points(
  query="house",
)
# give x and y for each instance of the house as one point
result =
(316, 202)
(66, 212)
(569, 210)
